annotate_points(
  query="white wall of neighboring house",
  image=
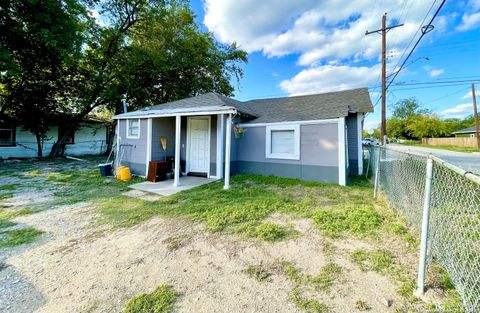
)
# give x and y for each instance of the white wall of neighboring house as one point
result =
(90, 138)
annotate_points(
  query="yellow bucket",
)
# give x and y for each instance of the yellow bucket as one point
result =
(123, 173)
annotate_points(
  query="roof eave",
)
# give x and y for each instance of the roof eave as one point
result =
(176, 112)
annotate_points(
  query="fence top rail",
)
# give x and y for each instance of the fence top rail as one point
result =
(467, 174)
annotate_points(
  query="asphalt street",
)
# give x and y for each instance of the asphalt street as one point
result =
(467, 161)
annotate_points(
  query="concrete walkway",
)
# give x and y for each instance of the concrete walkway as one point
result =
(166, 187)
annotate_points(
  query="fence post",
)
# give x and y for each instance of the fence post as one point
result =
(377, 173)
(425, 222)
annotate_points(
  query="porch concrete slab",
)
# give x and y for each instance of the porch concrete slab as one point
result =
(166, 187)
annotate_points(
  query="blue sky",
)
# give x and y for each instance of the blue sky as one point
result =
(311, 46)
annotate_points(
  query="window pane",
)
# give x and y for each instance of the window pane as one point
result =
(133, 128)
(6, 137)
(283, 141)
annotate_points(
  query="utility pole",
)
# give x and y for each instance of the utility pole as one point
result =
(383, 31)
(475, 116)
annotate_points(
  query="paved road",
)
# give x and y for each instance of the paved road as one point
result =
(467, 161)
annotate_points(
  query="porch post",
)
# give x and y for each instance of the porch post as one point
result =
(178, 121)
(228, 142)
(220, 141)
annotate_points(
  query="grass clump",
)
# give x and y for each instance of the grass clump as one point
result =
(9, 187)
(162, 300)
(378, 260)
(308, 305)
(362, 306)
(358, 221)
(15, 237)
(7, 195)
(270, 232)
(327, 276)
(258, 272)
(6, 223)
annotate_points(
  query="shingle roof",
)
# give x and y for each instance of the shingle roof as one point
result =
(311, 107)
(465, 130)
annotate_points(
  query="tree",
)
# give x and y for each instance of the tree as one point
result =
(152, 52)
(406, 108)
(39, 42)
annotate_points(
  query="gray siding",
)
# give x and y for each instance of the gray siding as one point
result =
(134, 150)
(163, 127)
(318, 154)
(352, 143)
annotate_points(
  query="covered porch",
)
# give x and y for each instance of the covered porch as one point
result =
(195, 144)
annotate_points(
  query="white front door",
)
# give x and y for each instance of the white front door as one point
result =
(198, 144)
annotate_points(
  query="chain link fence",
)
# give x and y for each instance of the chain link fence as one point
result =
(453, 236)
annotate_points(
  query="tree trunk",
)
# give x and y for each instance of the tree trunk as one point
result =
(39, 145)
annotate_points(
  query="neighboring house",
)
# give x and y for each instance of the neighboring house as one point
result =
(315, 137)
(89, 138)
(466, 132)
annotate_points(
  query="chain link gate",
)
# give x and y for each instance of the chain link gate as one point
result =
(453, 213)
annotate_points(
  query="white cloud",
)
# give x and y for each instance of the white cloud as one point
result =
(371, 124)
(330, 78)
(98, 19)
(437, 72)
(459, 111)
(319, 31)
(468, 95)
(469, 21)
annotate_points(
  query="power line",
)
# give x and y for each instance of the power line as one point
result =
(425, 29)
(447, 95)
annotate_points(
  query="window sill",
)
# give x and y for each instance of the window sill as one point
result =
(283, 157)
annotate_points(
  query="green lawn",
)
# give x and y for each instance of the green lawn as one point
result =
(451, 148)
(245, 209)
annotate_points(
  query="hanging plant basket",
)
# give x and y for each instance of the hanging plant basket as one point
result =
(239, 132)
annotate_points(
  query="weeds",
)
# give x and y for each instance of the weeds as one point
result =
(9, 187)
(308, 305)
(162, 300)
(15, 237)
(270, 232)
(362, 306)
(258, 272)
(378, 260)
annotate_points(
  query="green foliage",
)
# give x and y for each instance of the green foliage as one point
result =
(162, 300)
(378, 260)
(307, 305)
(362, 306)
(9, 187)
(411, 121)
(269, 232)
(327, 276)
(355, 220)
(258, 272)
(15, 237)
(4, 196)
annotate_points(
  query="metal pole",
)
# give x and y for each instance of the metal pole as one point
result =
(377, 173)
(425, 222)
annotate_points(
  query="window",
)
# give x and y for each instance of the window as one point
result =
(133, 129)
(61, 132)
(7, 134)
(283, 142)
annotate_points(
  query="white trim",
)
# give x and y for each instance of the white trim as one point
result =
(268, 142)
(359, 143)
(149, 145)
(151, 114)
(220, 133)
(187, 157)
(341, 152)
(118, 146)
(228, 144)
(325, 121)
(128, 128)
(178, 127)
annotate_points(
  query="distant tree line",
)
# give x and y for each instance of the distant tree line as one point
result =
(65, 60)
(413, 122)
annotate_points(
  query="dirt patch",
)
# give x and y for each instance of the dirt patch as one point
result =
(81, 269)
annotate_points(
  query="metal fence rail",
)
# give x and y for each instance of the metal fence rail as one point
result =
(451, 209)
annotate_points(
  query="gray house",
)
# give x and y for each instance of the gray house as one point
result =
(315, 137)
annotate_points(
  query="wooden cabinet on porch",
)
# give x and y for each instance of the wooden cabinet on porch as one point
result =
(158, 170)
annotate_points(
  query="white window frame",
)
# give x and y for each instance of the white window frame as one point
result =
(128, 128)
(284, 156)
